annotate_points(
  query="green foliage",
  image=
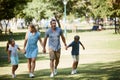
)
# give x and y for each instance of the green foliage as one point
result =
(38, 9)
(10, 8)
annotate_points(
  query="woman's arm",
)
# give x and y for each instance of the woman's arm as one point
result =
(26, 38)
(40, 40)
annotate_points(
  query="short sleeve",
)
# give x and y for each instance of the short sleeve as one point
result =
(16, 46)
(47, 33)
(38, 34)
(79, 42)
(61, 32)
(10, 48)
(70, 44)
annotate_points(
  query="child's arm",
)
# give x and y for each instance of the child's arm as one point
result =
(21, 50)
(66, 47)
(9, 53)
(82, 46)
(69, 45)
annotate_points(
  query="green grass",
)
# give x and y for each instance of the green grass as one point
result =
(97, 71)
(103, 68)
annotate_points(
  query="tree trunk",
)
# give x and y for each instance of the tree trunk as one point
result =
(6, 25)
(1, 27)
(56, 17)
(115, 26)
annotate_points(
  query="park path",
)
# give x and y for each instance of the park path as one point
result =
(92, 54)
(86, 57)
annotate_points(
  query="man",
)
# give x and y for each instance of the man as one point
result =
(54, 34)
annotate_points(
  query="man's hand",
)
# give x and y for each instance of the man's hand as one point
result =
(44, 50)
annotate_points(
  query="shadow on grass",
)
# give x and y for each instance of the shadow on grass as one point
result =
(22, 58)
(96, 71)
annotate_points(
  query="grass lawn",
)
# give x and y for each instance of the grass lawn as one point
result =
(100, 60)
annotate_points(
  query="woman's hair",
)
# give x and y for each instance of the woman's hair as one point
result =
(33, 27)
(9, 42)
(76, 37)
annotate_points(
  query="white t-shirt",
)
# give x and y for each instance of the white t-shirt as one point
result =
(13, 50)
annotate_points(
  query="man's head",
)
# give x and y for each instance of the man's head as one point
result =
(53, 23)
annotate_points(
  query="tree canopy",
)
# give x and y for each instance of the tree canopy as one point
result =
(39, 9)
(11, 8)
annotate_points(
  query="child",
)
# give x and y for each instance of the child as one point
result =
(75, 52)
(13, 55)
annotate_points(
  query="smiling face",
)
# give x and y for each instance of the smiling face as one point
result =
(76, 38)
(53, 24)
(13, 42)
(32, 28)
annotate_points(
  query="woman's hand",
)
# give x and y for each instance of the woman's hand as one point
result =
(23, 51)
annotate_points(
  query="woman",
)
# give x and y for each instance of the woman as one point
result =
(31, 48)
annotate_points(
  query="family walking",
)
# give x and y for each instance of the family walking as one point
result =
(31, 49)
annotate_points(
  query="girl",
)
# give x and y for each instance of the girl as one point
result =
(75, 52)
(13, 55)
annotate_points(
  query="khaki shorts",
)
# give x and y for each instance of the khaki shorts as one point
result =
(54, 54)
(75, 58)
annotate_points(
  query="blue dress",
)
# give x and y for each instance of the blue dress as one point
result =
(31, 46)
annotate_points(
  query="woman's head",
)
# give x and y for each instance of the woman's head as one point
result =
(32, 28)
(10, 42)
(76, 38)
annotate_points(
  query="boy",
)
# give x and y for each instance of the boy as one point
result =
(75, 52)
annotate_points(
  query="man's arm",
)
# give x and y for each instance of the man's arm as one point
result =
(44, 44)
(63, 39)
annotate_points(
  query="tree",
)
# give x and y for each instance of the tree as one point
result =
(38, 9)
(10, 9)
(115, 10)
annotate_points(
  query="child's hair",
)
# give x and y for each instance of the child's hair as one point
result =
(9, 42)
(76, 37)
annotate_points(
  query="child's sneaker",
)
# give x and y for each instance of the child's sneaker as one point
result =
(55, 71)
(13, 75)
(52, 74)
(75, 71)
(72, 72)
(31, 75)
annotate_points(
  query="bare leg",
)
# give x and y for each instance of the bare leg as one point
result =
(76, 64)
(33, 64)
(14, 68)
(29, 64)
(52, 65)
(56, 62)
